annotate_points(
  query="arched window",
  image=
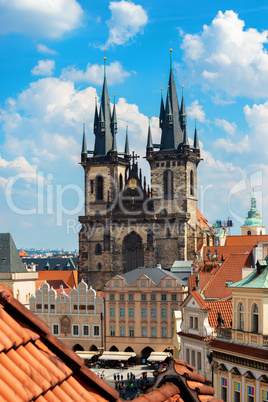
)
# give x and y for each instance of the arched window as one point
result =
(120, 182)
(98, 249)
(99, 266)
(241, 316)
(255, 318)
(99, 187)
(168, 184)
(191, 183)
(249, 232)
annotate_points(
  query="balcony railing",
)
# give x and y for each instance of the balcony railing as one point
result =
(224, 333)
(247, 337)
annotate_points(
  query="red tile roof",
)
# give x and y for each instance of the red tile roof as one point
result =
(22, 253)
(213, 307)
(36, 366)
(224, 251)
(251, 240)
(198, 298)
(164, 390)
(226, 309)
(69, 277)
(230, 270)
(204, 278)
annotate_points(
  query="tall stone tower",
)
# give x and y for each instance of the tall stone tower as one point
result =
(126, 223)
(173, 166)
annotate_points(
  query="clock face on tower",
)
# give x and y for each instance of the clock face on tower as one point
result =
(132, 183)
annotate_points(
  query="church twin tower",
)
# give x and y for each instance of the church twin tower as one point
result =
(128, 224)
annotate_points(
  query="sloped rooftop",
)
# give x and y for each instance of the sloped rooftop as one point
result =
(36, 366)
(155, 274)
(10, 260)
(245, 240)
(229, 271)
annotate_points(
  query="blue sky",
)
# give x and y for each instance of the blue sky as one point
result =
(52, 65)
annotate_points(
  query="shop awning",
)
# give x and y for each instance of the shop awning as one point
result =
(117, 355)
(158, 356)
(87, 355)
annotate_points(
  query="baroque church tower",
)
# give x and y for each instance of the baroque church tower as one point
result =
(126, 223)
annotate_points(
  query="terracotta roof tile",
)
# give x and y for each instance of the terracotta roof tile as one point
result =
(34, 365)
(225, 307)
(245, 240)
(230, 270)
(69, 277)
(224, 251)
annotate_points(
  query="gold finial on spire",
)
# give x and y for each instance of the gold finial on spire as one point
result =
(170, 47)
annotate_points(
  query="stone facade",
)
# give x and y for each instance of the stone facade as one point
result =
(75, 318)
(127, 224)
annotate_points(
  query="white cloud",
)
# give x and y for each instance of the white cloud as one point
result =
(240, 147)
(94, 73)
(127, 20)
(195, 111)
(230, 128)
(41, 48)
(44, 67)
(231, 60)
(46, 18)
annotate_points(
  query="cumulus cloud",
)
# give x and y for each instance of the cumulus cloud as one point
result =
(239, 147)
(195, 111)
(231, 60)
(46, 18)
(44, 67)
(230, 128)
(127, 20)
(257, 119)
(41, 48)
(94, 73)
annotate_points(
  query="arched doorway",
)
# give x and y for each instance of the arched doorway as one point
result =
(132, 252)
(129, 349)
(113, 349)
(78, 348)
(145, 353)
(93, 348)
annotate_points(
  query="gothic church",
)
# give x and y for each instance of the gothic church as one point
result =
(126, 223)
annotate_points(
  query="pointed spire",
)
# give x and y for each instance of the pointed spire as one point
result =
(149, 138)
(127, 154)
(84, 144)
(170, 50)
(96, 116)
(104, 65)
(185, 137)
(114, 147)
(104, 132)
(114, 120)
(162, 110)
(196, 142)
(182, 110)
(172, 134)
